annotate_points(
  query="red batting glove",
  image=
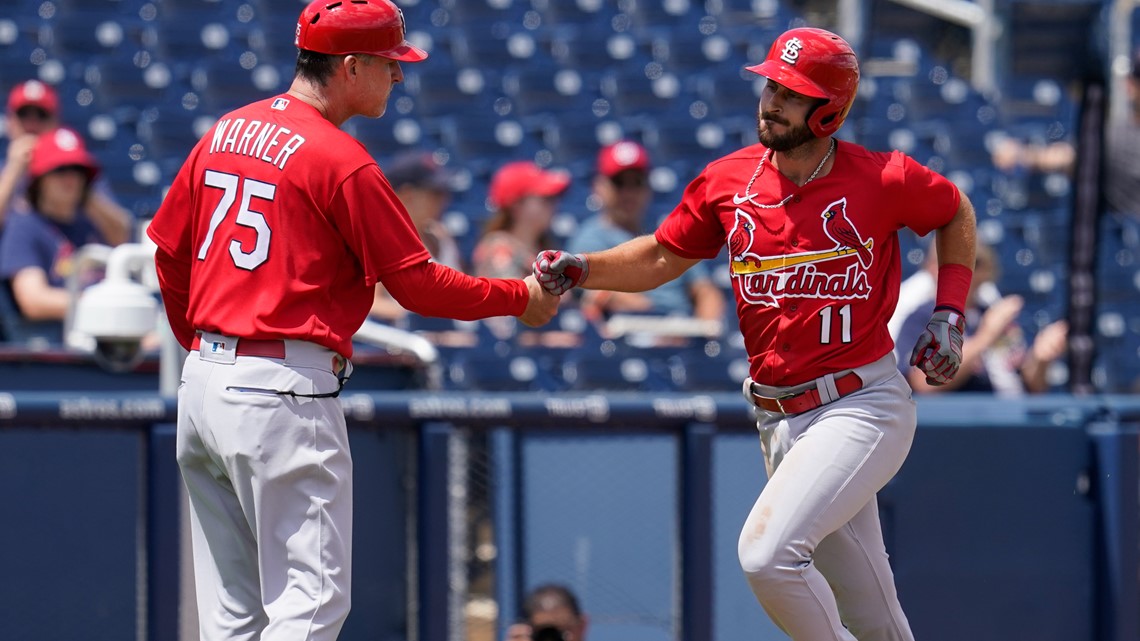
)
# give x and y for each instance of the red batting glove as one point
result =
(558, 272)
(938, 352)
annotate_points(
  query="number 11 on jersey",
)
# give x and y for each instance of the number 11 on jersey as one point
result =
(825, 324)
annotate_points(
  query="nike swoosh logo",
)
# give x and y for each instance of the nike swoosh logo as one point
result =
(737, 200)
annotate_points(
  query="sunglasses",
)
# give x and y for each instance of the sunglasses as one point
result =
(630, 180)
(30, 112)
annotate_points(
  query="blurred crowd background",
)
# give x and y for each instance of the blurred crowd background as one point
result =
(990, 94)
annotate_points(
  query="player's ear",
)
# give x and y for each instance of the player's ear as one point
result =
(351, 64)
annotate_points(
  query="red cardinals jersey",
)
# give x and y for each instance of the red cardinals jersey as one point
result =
(816, 280)
(279, 225)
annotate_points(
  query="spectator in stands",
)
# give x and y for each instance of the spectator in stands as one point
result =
(525, 198)
(995, 357)
(622, 187)
(38, 246)
(424, 186)
(33, 110)
(550, 613)
(1122, 151)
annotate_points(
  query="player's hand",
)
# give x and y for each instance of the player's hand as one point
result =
(20, 152)
(558, 272)
(541, 307)
(518, 632)
(938, 352)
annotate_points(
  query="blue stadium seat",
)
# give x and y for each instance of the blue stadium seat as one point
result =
(668, 13)
(227, 83)
(499, 48)
(598, 49)
(87, 33)
(578, 13)
(635, 94)
(546, 89)
(711, 367)
(139, 80)
(481, 136)
(687, 49)
(619, 372)
(731, 90)
(485, 13)
(695, 141)
(440, 90)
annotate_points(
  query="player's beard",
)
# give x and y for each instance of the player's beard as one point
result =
(795, 136)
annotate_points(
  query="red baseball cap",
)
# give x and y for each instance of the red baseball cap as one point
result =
(33, 93)
(517, 180)
(620, 156)
(61, 148)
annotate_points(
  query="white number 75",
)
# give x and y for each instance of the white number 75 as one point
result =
(246, 217)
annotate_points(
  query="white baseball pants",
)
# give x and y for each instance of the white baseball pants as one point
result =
(812, 547)
(270, 484)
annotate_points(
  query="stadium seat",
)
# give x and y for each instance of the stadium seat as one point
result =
(485, 13)
(619, 373)
(731, 90)
(139, 80)
(441, 90)
(498, 48)
(591, 48)
(546, 89)
(227, 83)
(709, 367)
(636, 94)
(589, 14)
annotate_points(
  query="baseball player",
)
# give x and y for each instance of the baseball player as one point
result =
(810, 224)
(270, 242)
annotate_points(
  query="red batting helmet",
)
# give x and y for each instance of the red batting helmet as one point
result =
(374, 27)
(819, 64)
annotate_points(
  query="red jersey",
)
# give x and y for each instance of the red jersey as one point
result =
(279, 225)
(817, 279)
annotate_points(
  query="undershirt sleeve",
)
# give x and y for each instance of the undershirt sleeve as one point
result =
(430, 289)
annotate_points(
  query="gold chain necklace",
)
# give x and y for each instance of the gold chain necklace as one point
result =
(748, 195)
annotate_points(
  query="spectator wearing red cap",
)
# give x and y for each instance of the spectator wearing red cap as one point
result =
(622, 187)
(525, 198)
(33, 110)
(37, 248)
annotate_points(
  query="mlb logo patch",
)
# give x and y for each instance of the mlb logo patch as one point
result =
(217, 346)
(279, 104)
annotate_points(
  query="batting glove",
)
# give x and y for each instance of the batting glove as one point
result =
(938, 352)
(558, 272)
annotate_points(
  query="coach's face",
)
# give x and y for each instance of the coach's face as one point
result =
(374, 78)
(781, 123)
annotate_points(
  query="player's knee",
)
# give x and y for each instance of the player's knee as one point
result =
(768, 562)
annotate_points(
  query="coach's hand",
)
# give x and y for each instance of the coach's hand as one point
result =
(540, 307)
(558, 272)
(938, 352)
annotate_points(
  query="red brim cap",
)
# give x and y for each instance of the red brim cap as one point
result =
(788, 77)
(517, 180)
(405, 52)
(620, 156)
(34, 93)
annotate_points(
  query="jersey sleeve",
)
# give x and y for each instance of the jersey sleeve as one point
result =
(692, 229)
(375, 224)
(170, 230)
(431, 289)
(938, 196)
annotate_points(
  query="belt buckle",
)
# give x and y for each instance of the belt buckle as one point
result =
(782, 397)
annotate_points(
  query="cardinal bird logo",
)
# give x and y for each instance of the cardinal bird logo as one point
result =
(740, 238)
(839, 229)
